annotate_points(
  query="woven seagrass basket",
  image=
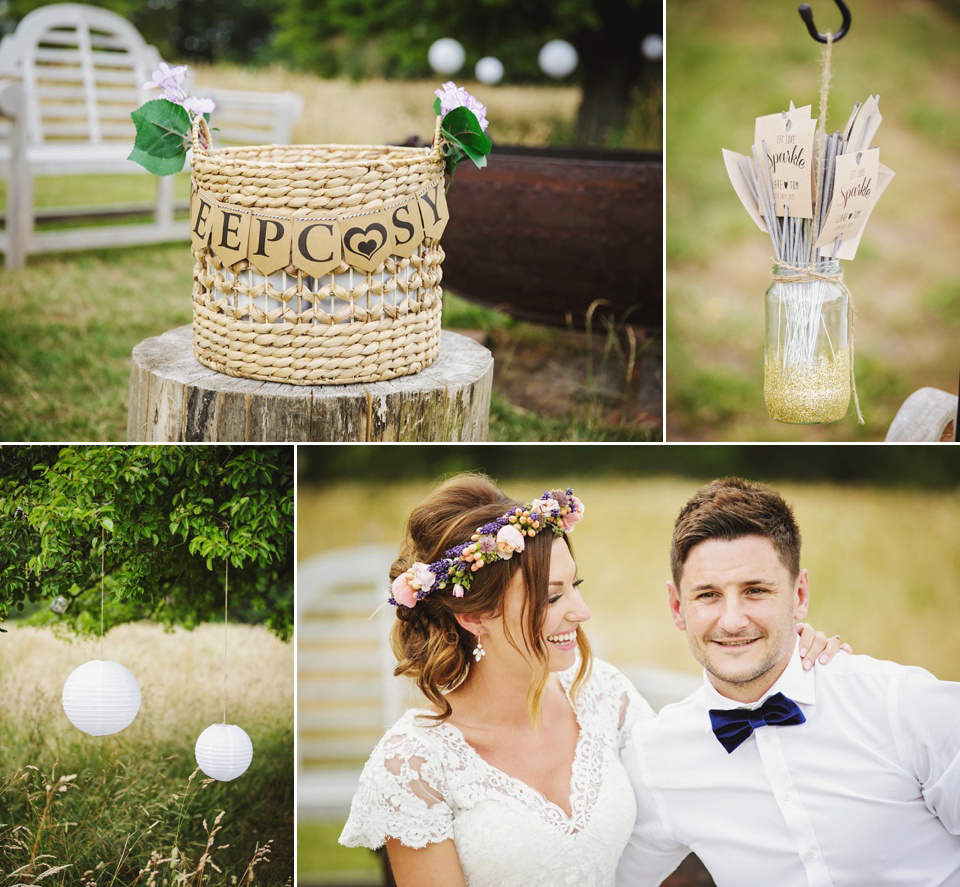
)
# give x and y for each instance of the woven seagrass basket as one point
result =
(316, 264)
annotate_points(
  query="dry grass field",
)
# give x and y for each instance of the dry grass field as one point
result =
(883, 564)
(377, 111)
(124, 809)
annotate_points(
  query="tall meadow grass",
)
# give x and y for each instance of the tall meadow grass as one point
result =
(131, 809)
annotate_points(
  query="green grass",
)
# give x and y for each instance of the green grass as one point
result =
(729, 63)
(70, 325)
(318, 853)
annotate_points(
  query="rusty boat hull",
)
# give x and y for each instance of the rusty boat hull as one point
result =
(557, 236)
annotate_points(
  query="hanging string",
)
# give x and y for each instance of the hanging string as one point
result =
(102, 551)
(226, 576)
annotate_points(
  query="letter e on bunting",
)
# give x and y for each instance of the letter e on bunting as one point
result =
(366, 240)
(200, 221)
(230, 234)
(316, 244)
(433, 209)
(269, 247)
(406, 229)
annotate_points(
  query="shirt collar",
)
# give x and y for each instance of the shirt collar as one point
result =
(794, 683)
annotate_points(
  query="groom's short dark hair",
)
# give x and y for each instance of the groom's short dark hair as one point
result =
(730, 508)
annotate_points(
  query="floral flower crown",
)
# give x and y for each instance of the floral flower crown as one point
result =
(498, 540)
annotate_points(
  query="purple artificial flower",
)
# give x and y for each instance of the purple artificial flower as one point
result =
(170, 81)
(197, 107)
(452, 96)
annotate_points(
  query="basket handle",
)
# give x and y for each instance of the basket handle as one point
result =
(202, 140)
(437, 153)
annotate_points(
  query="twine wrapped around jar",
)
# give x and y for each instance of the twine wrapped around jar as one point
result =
(316, 264)
(808, 356)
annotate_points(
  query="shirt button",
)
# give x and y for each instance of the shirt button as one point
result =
(786, 796)
(809, 854)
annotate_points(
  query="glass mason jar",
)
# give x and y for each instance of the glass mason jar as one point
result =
(807, 354)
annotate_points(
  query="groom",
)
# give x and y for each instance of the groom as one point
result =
(776, 776)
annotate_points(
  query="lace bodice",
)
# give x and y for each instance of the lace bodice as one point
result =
(425, 784)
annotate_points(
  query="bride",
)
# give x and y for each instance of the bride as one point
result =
(512, 776)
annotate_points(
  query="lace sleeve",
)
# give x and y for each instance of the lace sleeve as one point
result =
(623, 697)
(400, 796)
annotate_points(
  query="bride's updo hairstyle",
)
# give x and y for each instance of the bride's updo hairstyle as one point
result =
(430, 645)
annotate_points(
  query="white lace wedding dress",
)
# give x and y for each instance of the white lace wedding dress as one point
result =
(426, 784)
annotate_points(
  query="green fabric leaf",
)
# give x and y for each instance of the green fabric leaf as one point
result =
(461, 128)
(436, 107)
(161, 142)
(159, 166)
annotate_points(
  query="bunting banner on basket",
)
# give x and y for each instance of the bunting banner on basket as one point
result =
(271, 240)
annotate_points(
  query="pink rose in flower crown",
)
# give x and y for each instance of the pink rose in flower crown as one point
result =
(570, 519)
(509, 540)
(545, 506)
(403, 592)
(423, 578)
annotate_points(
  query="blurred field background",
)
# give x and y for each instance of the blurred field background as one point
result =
(728, 63)
(132, 813)
(879, 527)
(74, 318)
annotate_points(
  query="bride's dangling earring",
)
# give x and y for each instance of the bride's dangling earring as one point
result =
(478, 651)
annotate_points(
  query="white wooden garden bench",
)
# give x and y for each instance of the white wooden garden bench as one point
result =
(347, 695)
(69, 77)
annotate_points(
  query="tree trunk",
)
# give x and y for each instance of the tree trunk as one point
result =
(612, 66)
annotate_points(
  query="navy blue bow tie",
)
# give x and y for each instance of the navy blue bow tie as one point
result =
(734, 725)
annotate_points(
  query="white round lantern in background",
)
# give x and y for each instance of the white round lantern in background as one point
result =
(446, 55)
(489, 70)
(223, 751)
(652, 47)
(101, 697)
(557, 58)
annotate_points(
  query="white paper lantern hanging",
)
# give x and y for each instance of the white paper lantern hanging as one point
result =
(101, 697)
(223, 751)
(446, 55)
(557, 58)
(489, 70)
(652, 47)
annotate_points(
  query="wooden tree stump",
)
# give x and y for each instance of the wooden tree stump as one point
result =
(928, 414)
(175, 398)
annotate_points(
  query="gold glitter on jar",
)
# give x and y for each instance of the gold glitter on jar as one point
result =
(811, 393)
(807, 354)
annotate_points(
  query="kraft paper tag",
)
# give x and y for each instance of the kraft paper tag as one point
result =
(229, 233)
(854, 194)
(794, 113)
(366, 240)
(406, 229)
(848, 247)
(200, 219)
(316, 245)
(270, 243)
(433, 211)
(732, 161)
(789, 150)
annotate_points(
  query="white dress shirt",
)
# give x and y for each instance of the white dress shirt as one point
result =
(866, 792)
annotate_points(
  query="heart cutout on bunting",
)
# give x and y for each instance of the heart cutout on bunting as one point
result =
(366, 247)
